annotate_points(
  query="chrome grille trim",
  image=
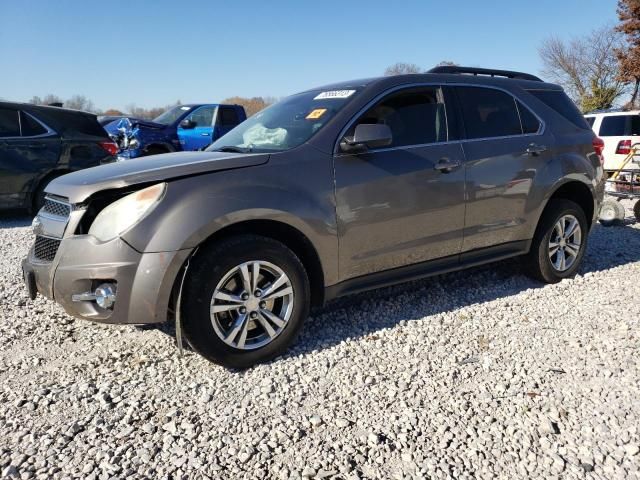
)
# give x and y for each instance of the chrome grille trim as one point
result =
(56, 207)
(45, 248)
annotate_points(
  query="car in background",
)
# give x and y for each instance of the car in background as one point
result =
(38, 144)
(184, 127)
(619, 130)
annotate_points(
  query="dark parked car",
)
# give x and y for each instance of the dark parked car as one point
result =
(331, 191)
(40, 143)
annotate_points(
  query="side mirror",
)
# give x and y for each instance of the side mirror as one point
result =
(187, 124)
(367, 136)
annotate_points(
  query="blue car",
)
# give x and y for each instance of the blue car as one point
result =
(184, 127)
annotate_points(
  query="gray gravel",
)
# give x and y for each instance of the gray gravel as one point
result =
(479, 374)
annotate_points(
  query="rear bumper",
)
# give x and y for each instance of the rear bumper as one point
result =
(144, 280)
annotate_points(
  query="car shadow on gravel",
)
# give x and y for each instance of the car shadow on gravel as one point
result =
(14, 219)
(363, 314)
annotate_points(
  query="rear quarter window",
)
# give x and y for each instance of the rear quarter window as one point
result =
(590, 121)
(558, 101)
(620, 126)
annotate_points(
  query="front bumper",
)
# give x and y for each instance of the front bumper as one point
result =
(144, 280)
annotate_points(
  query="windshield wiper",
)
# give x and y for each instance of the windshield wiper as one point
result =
(232, 148)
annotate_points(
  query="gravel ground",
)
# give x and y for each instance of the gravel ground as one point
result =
(479, 374)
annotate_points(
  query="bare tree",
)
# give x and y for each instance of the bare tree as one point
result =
(629, 55)
(585, 67)
(80, 102)
(47, 100)
(401, 68)
(251, 105)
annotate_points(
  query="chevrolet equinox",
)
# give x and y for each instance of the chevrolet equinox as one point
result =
(331, 191)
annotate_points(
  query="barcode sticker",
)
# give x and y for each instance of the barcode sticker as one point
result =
(334, 94)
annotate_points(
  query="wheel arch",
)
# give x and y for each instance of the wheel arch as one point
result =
(577, 192)
(42, 182)
(286, 234)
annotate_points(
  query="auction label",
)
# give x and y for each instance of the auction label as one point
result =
(334, 94)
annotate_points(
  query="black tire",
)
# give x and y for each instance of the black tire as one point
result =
(611, 213)
(37, 201)
(209, 267)
(154, 150)
(538, 263)
(636, 210)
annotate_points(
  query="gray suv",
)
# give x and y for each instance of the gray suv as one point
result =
(332, 191)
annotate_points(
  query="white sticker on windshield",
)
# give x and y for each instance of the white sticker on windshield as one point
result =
(334, 94)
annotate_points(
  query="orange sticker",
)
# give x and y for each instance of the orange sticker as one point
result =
(317, 113)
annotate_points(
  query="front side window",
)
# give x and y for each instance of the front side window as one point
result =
(202, 117)
(171, 115)
(488, 113)
(9, 123)
(415, 117)
(285, 124)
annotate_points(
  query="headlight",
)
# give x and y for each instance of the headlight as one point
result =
(124, 213)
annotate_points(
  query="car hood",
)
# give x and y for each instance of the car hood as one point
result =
(129, 123)
(80, 185)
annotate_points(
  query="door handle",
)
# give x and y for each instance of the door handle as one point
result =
(535, 150)
(205, 134)
(445, 165)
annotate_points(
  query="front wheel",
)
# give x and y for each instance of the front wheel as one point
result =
(559, 243)
(245, 300)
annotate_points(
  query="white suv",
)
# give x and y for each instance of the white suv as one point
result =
(619, 130)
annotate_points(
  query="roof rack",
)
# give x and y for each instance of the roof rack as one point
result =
(484, 71)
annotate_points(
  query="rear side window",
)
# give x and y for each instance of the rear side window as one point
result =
(228, 116)
(415, 117)
(562, 104)
(530, 123)
(620, 126)
(9, 123)
(30, 127)
(488, 113)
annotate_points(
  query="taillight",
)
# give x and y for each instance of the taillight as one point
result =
(624, 147)
(110, 147)
(598, 147)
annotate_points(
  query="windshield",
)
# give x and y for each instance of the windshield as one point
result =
(286, 124)
(171, 115)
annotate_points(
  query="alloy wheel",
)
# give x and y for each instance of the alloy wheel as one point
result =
(251, 305)
(565, 243)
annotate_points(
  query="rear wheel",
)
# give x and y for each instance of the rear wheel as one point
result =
(245, 300)
(559, 243)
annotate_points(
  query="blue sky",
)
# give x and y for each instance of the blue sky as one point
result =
(154, 52)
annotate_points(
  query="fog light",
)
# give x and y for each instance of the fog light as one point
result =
(106, 295)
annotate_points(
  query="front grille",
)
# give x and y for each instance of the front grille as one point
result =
(45, 248)
(56, 208)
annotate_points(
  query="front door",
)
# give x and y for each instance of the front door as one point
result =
(396, 206)
(201, 133)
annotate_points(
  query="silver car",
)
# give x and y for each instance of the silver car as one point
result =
(332, 191)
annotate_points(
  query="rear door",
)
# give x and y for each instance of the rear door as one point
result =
(226, 120)
(29, 150)
(201, 135)
(505, 146)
